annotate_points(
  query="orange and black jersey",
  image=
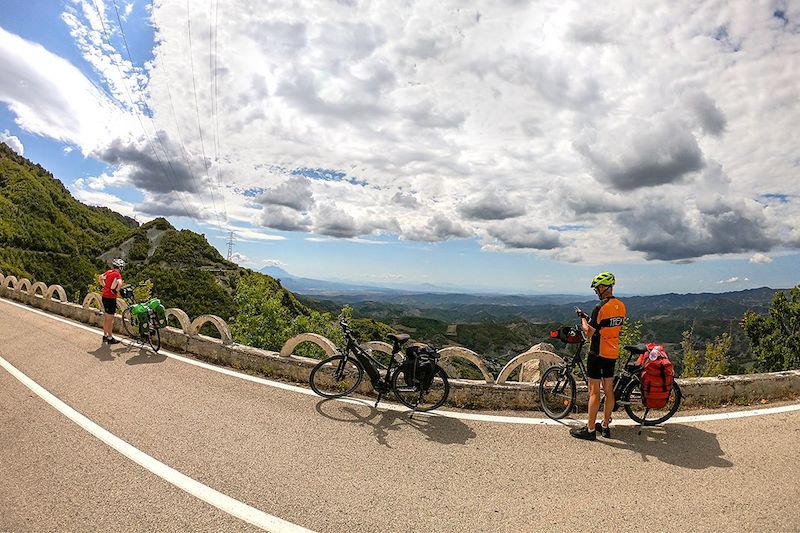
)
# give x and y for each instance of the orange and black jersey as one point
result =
(607, 318)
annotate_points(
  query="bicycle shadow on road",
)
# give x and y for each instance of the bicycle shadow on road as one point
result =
(144, 356)
(675, 444)
(443, 430)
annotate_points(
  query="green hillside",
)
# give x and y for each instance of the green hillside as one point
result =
(45, 233)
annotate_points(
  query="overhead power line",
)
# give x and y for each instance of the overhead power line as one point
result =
(184, 152)
(214, 93)
(197, 107)
(135, 109)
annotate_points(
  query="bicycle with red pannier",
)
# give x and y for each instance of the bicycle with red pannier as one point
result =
(645, 387)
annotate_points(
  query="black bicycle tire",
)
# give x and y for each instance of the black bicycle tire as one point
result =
(553, 414)
(153, 330)
(127, 323)
(316, 387)
(438, 373)
(646, 422)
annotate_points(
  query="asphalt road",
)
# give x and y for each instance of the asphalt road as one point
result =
(342, 467)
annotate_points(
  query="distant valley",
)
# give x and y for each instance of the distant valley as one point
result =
(384, 302)
(499, 326)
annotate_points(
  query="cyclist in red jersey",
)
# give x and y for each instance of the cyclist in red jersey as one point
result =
(603, 329)
(111, 280)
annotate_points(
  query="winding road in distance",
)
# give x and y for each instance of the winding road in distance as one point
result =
(98, 438)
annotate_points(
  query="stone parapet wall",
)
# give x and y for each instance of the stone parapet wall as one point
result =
(488, 393)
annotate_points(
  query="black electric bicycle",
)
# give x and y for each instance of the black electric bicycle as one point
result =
(418, 383)
(557, 386)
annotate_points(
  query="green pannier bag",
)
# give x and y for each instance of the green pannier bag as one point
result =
(139, 314)
(161, 313)
(161, 316)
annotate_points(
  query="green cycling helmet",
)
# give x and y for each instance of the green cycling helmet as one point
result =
(603, 278)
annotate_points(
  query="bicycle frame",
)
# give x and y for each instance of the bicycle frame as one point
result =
(577, 358)
(619, 384)
(371, 365)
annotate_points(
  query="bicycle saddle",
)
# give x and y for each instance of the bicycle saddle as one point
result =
(399, 339)
(636, 349)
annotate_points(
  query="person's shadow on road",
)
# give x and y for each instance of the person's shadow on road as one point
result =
(443, 430)
(104, 353)
(675, 444)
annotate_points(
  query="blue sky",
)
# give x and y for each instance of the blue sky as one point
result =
(406, 144)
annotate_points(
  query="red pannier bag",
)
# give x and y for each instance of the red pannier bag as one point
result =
(657, 376)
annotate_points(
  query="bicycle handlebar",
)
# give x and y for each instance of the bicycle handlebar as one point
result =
(345, 327)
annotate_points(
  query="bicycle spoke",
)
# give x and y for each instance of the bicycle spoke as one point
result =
(336, 376)
(556, 392)
(409, 392)
(650, 416)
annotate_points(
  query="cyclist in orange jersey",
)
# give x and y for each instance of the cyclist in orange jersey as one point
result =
(602, 328)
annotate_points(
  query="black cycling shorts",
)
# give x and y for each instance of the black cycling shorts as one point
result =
(600, 367)
(109, 305)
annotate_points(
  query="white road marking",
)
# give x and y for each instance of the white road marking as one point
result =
(195, 488)
(450, 414)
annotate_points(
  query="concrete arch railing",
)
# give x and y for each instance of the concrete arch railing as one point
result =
(24, 285)
(473, 394)
(542, 352)
(378, 346)
(221, 325)
(323, 342)
(453, 352)
(56, 289)
(182, 318)
(90, 298)
(38, 287)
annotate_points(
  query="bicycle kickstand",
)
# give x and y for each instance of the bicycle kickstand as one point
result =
(379, 399)
(414, 410)
(641, 425)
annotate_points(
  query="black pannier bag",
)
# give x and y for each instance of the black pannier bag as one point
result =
(126, 292)
(567, 334)
(419, 368)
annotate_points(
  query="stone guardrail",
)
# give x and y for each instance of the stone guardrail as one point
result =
(487, 393)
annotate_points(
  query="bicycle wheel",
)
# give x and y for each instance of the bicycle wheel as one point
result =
(636, 410)
(336, 376)
(130, 327)
(154, 334)
(557, 392)
(417, 399)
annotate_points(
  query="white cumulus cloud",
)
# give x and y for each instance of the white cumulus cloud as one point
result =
(760, 258)
(583, 123)
(13, 142)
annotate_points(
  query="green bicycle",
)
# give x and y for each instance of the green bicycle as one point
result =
(143, 320)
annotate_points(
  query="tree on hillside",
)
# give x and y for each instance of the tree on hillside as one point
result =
(691, 358)
(630, 333)
(775, 337)
(264, 321)
(717, 356)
